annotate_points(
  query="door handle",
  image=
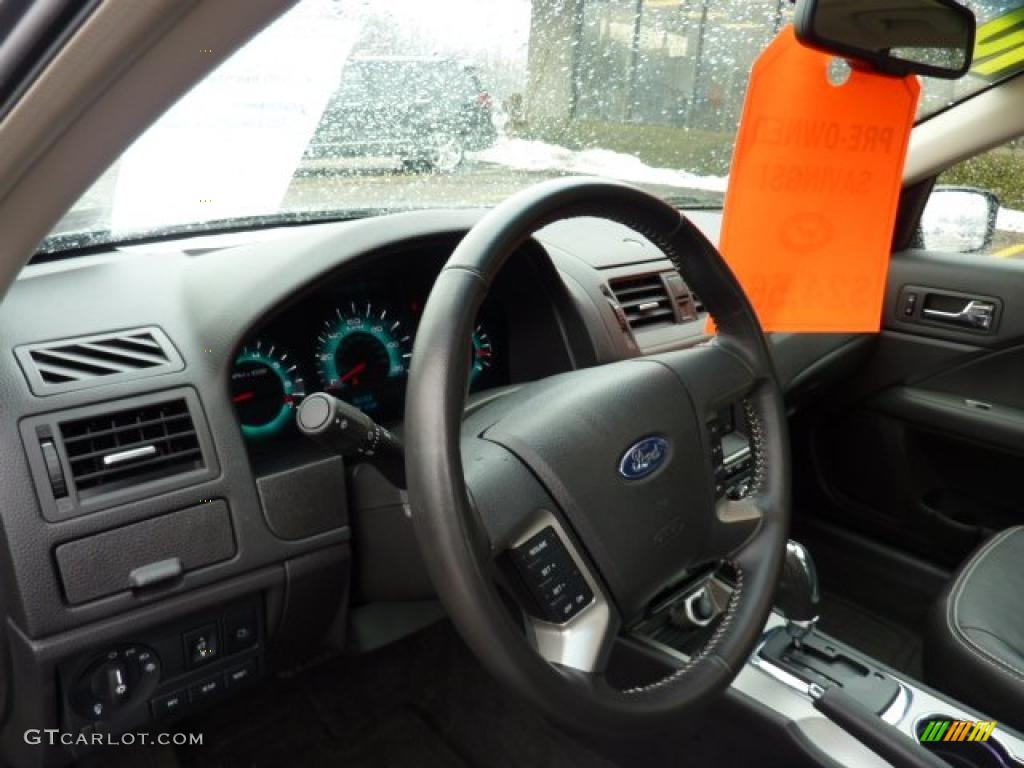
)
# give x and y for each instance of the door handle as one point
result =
(974, 314)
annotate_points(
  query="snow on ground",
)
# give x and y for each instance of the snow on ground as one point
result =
(525, 155)
(1010, 220)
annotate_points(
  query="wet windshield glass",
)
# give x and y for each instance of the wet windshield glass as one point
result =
(345, 108)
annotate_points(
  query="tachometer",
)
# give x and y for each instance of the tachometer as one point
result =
(265, 388)
(483, 355)
(362, 354)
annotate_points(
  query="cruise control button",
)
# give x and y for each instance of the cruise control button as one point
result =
(552, 577)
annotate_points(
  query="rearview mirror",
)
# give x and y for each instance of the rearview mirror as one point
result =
(958, 220)
(898, 37)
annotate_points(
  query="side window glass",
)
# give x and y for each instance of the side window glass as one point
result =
(977, 206)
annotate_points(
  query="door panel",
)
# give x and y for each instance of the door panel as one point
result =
(979, 277)
(924, 448)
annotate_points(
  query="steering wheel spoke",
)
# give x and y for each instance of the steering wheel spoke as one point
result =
(571, 620)
(566, 612)
(736, 522)
(715, 375)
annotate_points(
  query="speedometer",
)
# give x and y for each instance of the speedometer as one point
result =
(363, 356)
(265, 388)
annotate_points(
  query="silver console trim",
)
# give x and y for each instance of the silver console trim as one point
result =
(911, 705)
(892, 715)
(925, 704)
(900, 705)
(784, 677)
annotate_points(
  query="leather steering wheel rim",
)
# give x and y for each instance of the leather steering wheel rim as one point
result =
(458, 552)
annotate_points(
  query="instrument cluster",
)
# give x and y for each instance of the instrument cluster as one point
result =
(354, 342)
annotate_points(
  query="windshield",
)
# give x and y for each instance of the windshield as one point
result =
(344, 108)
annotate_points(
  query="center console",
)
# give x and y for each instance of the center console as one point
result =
(901, 721)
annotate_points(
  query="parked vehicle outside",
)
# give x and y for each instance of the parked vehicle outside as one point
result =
(428, 112)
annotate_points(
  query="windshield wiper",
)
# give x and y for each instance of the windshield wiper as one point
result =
(695, 200)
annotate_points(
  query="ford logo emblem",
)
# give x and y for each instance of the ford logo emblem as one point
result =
(643, 458)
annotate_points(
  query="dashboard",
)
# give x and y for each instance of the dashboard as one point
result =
(167, 503)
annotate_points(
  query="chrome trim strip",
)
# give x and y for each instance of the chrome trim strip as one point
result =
(130, 455)
(691, 615)
(739, 455)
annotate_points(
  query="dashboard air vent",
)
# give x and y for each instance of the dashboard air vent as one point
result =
(123, 448)
(87, 361)
(644, 299)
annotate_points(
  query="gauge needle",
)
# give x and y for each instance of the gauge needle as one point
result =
(356, 370)
(243, 397)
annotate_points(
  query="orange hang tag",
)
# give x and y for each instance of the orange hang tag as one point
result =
(814, 187)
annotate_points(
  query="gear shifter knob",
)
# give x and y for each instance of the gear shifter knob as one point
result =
(797, 594)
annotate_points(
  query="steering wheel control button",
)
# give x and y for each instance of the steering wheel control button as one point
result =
(201, 646)
(732, 460)
(551, 576)
(315, 412)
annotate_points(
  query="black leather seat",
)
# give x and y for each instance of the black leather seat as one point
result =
(975, 645)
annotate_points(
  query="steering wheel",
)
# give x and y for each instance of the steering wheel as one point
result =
(604, 475)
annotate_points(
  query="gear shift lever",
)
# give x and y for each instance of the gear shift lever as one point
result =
(797, 594)
(814, 658)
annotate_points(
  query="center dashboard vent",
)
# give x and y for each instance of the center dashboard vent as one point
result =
(102, 455)
(644, 299)
(653, 299)
(87, 361)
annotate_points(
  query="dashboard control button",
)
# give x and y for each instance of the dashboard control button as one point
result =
(53, 469)
(240, 675)
(241, 631)
(205, 690)
(114, 682)
(169, 704)
(201, 645)
(110, 682)
(909, 304)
